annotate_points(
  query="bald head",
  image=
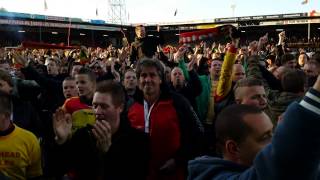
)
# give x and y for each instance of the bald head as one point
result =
(238, 72)
(177, 78)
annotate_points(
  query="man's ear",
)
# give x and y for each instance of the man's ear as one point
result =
(122, 106)
(232, 149)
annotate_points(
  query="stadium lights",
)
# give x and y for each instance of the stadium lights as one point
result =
(105, 35)
(319, 28)
(279, 29)
(177, 34)
(82, 34)
(21, 31)
(243, 31)
(54, 32)
(150, 35)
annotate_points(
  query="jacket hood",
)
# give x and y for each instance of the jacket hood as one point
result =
(206, 167)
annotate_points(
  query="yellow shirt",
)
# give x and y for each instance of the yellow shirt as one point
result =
(20, 155)
(81, 113)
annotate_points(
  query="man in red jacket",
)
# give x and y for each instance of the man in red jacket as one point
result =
(170, 121)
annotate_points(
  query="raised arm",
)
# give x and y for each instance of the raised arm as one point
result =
(225, 79)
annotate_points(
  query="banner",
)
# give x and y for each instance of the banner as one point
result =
(200, 35)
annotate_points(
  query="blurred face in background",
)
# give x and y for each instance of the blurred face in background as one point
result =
(52, 67)
(238, 72)
(291, 64)
(5, 66)
(130, 80)
(140, 31)
(253, 95)
(75, 69)
(311, 69)
(85, 86)
(69, 88)
(177, 78)
(215, 68)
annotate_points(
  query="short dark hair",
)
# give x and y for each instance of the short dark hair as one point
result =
(293, 81)
(89, 73)
(5, 103)
(150, 63)
(247, 82)
(230, 124)
(69, 78)
(286, 58)
(56, 61)
(5, 76)
(129, 70)
(114, 89)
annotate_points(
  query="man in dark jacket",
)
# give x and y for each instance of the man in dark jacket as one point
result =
(168, 118)
(110, 149)
(244, 132)
(23, 113)
(50, 99)
(190, 89)
(144, 46)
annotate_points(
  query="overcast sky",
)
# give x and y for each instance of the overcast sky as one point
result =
(152, 11)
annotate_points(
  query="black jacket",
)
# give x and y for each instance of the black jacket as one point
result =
(52, 93)
(127, 157)
(191, 90)
(146, 46)
(25, 116)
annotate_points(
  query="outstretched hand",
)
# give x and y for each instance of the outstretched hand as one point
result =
(282, 37)
(262, 41)
(62, 125)
(253, 48)
(193, 60)
(179, 54)
(235, 36)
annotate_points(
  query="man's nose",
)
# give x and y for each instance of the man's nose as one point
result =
(148, 79)
(263, 100)
(98, 110)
